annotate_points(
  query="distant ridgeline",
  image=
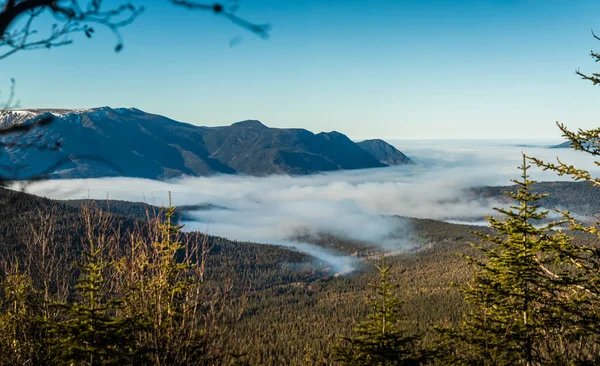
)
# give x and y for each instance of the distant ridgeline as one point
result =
(568, 144)
(105, 142)
(580, 198)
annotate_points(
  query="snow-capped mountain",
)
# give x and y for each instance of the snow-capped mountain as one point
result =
(101, 142)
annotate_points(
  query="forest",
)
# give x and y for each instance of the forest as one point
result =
(100, 282)
(110, 282)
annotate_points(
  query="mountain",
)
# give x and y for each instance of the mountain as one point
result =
(563, 145)
(104, 142)
(588, 145)
(580, 198)
(384, 152)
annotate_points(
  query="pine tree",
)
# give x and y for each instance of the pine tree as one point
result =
(584, 278)
(521, 301)
(379, 340)
(165, 291)
(92, 331)
(168, 289)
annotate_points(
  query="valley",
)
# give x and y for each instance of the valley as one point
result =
(283, 298)
(303, 183)
(285, 306)
(290, 247)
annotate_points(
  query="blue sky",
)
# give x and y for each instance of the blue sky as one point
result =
(389, 68)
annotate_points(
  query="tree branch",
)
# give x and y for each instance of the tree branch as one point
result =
(74, 16)
(262, 30)
(13, 11)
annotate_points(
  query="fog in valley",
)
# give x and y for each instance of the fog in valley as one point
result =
(357, 205)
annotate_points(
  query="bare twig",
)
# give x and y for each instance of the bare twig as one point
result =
(78, 16)
(262, 30)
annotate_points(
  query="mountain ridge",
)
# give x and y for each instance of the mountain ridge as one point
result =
(384, 152)
(146, 145)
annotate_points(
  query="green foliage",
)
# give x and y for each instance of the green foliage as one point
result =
(165, 290)
(279, 301)
(169, 289)
(584, 279)
(92, 331)
(22, 336)
(523, 307)
(577, 197)
(379, 340)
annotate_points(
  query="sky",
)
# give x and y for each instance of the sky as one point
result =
(393, 69)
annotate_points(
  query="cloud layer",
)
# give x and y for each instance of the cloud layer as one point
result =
(352, 204)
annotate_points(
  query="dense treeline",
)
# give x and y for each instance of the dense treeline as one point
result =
(46, 244)
(24, 218)
(256, 304)
(110, 282)
(283, 306)
(270, 305)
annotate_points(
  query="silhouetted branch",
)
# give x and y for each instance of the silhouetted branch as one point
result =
(70, 16)
(44, 120)
(262, 30)
(23, 136)
(9, 103)
(45, 174)
(17, 33)
(595, 77)
(77, 16)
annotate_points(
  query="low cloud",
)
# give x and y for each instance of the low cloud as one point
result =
(354, 204)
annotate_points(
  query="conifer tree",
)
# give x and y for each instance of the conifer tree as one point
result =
(168, 289)
(584, 279)
(22, 336)
(379, 340)
(93, 332)
(166, 293)
(521, 307)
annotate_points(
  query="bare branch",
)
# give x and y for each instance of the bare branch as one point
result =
(10, 101)
(70, 17)
(595, 77)
(18, 33)
(262, 30)
(45, 174)
(73, 17)
(44, 120)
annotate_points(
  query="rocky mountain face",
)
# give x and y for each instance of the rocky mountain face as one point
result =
(384, 152)
(104, 142)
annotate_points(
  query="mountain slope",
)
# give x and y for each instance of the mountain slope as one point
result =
(384, 152)
(568, 144)
(103, 142)
(563, 145)
(580, 198)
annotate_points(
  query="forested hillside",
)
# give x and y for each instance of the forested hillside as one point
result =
(287, 306)
(581, 198)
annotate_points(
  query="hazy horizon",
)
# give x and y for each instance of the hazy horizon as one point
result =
(542, 140)
(435, 69)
